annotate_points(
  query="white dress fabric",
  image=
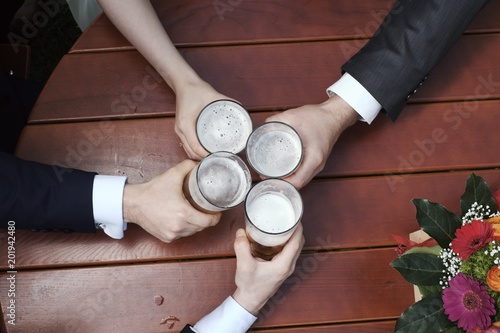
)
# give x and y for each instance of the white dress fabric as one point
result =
(84, 11)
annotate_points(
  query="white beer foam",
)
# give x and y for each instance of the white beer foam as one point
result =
(224, 126)
(275, 153)
(271, 212)
(223, 182)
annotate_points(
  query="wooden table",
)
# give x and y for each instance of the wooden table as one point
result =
(104, 109)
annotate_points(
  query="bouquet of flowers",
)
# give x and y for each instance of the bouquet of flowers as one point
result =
(457, 270)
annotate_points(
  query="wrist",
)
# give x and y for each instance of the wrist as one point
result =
(131, 206)
(187, 86)
(343, 114)
(248, 301)
(181, 79)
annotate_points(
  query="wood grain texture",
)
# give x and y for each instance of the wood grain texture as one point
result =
(121, 298)
(265, 77)
(196, 23)
(340, 214)
(425, 138)
(368, 327)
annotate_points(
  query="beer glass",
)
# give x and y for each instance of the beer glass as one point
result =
(223, 125)
(274, 150)
(273, 209)
(219, 182)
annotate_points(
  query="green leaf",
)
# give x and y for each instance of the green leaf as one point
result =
(477, 190)
(428, 290)
(454, 329)
(424, 249)
(437, 221)
(419, 268)
(425, 316)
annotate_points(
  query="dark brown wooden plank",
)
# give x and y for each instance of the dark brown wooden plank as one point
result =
(341, 213)
(325, 288)
(486, 20)
(368, 327)
(427, 137)
(209, 22)
(447, 136)
(139, 148)
(122, 84)
(113, 85)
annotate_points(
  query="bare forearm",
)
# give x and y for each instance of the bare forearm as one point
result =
(139, 23)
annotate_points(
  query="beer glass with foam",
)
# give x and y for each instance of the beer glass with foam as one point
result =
(219, 182)
(223, 125)
(274, 150)
(273, 209)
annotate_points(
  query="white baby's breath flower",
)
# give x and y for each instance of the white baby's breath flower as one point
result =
(478, 212)
(452, 263)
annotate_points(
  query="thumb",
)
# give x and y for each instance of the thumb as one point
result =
(198, 149)
(185, 166)
(305, 173)
(242, 245)
(300, 177)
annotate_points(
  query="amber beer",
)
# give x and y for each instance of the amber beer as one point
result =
(273, 209)
(264, 252)
(223, 125)
(274, 150)
(219, 182)
(189, 197)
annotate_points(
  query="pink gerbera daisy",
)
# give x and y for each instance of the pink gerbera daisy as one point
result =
(467, 302)
(471, 238)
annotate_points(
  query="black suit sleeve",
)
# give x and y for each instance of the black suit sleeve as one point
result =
(187, 329)
(412, 39)
(38, 196)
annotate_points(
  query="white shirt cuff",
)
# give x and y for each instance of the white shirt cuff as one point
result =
(229, 317)
(354, 94)
(107, 200)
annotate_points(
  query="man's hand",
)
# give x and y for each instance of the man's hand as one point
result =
(160, 208)
(319, 127)
(258, 280)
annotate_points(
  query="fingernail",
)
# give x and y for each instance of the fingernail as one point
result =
(240, 232)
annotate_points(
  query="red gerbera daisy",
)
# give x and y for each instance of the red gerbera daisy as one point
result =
(471, 238)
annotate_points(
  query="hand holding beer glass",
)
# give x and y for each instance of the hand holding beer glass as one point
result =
(273, 209)
(219, 182)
